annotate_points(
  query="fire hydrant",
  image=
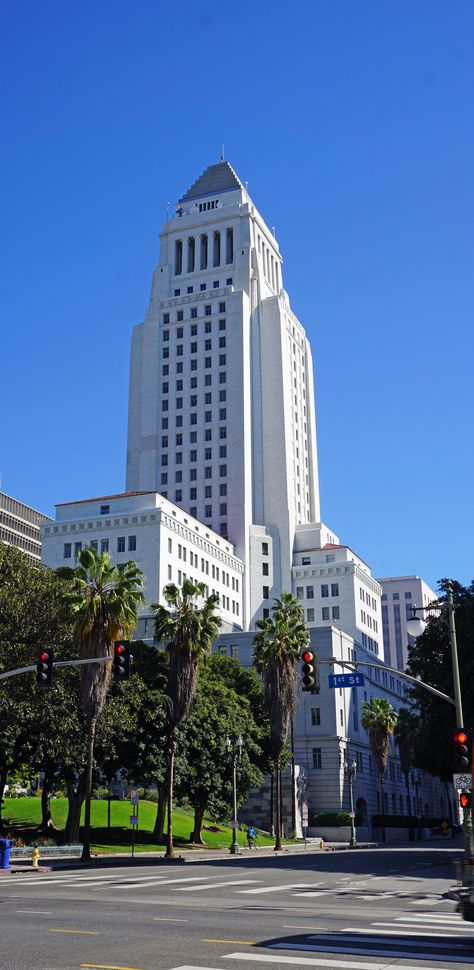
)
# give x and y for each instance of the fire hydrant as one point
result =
(35, 857)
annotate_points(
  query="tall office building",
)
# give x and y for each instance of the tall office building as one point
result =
(399, 594)
(20, 526)
(221, 409)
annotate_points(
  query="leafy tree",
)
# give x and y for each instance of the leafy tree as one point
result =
(430, 660)
(404, 733)
(187, 630)
(206, 778)
(30, 617)
(277, 646)
(103, 602)
(379, 719)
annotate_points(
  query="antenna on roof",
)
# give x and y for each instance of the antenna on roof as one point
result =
(222, 153)
(167, 211)
(246, 185)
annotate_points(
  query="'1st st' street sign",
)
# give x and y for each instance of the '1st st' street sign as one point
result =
(345, 680)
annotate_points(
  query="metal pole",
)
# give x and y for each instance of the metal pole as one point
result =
(353, 842)
(234, 849)
(466, 812)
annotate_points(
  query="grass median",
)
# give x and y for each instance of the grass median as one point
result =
(22, 817)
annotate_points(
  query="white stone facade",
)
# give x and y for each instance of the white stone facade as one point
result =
(165, 542)
(399, 594)
(221, 412)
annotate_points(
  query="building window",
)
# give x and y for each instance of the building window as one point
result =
(315, 716)
(266, 592)
(166, 319)
(317, 760)
(105, 510)
(223, 489)
(324, 590)
(306, 561)
(104, 545)
(223, 508)
(77, 549)
(299, 592)
(194, 313)
(264, 568)
(221, 307)
(310, 615)
(132, 543)
(325, 613)
(335, 613)
(120, 543)
(67, 550)
(310, 592)
(334, 589)
(164, 478)
(208, 511)
(94, 544)
(221, 324)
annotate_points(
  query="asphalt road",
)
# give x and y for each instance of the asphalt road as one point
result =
(359, 910)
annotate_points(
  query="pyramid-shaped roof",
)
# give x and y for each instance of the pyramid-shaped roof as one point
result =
(216, 178)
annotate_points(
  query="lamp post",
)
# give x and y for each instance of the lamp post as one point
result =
(350, 772)
(415, 627)
(234, 749)
(415, 780)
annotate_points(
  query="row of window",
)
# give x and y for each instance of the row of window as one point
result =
(222, 599)
(122, 542)
(369, 643)
(369, 621)
(366, 598)
(203, 286)
(300, 591)
(193, 312)
(395, 596)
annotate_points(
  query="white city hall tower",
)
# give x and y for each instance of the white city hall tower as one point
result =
(221, 410)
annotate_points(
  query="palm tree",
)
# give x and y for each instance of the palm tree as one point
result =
(379, 719)
(404, 737)
(187, 630)
(277, 646)
(103, 602)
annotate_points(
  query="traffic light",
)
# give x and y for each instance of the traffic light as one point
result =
(465, 799)
(121, 661)
(44, 666)
(462, 751)
(309, 671)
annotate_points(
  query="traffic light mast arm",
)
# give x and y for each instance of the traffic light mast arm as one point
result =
(354, 664)
(57, 663)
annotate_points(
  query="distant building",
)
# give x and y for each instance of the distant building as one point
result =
(399, 593)
(165, 542)
(20, 526)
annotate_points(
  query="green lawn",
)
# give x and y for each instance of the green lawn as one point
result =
(23, 815)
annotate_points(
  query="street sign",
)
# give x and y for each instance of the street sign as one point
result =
(304, 815)
(352, 814)
(234, 824)
(134, 820)
(134, 796)
(463, 782)
(345, 680)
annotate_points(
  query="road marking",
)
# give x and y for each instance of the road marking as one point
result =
(169, 919)
(38, 912)
(313, 962)
(411, 930)
(430, 918)
(299, 926)
(107, 966)
(241, 942)
(213, 885)
(162, 882)
(275, 889)
(317, 892)
(82, 932)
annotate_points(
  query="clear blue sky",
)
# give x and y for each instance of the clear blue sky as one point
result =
(353, 124)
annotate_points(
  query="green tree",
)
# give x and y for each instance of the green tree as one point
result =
(30, 617)
(205, 779)
(430, 661)
(379, 719)
(277, 645)
(404, 734)
(103, 602)
(187, 630)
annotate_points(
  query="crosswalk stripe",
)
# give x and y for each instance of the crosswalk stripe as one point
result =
(361, 948)
(214, 885)
(429, 918)
(310, 962)
(367, 936)
(274, 889)
(410, 928)
(163, 882)
(317, 892)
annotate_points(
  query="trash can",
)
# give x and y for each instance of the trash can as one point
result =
(5, 846)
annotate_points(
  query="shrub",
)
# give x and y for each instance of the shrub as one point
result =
(329, 818)
(150, 795)
(407, 821)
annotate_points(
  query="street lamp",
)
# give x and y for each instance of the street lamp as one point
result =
(416, 780)
(415, 627)
(234, 749)
(350, 772)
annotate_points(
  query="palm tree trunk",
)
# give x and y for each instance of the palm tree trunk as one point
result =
(169, 854)
(383, 806)
(86, 842)
(293, 782)
(159, 828)
(407, 783)
(271, 827)
(278, 805)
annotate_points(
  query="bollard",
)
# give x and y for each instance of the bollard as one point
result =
(35, 857)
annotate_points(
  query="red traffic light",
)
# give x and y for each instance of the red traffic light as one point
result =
(460, 737)
(465, 799)
(43, 656)
(307, 656)
(119, 648)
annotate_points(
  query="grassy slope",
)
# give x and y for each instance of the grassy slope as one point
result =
(24, 814)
